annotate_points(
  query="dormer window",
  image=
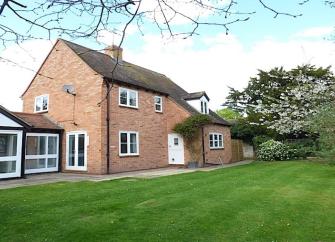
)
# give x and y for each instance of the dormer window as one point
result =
(199, 101)
(204, 106)
(41, 104)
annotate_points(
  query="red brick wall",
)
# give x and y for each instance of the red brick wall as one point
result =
(65, 67)
(213, 155)
(153, 129)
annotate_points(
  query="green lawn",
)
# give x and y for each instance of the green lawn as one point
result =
(279, 201)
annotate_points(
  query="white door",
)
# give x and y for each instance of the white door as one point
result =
(10, 153)
(76, 150)
(176, 149)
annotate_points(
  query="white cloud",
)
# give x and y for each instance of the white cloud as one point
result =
(107, 37)
(17, 73)
(175, 9)
(223, 61)
(315, 32)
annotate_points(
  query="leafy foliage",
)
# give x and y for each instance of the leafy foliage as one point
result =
(260, 139)
(272, 150)
(323, 124)
(304, 147)
(281, 100)
(229, 114)
(189, 128)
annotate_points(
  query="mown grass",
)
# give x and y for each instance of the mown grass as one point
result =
(278, 201)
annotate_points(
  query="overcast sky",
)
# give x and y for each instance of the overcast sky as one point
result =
(210, 62)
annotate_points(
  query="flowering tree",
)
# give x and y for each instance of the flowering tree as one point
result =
(291, 111)
(283, 100)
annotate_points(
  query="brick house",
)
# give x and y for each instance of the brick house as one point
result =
(108, 122)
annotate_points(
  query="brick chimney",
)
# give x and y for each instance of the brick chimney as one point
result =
(114, 51)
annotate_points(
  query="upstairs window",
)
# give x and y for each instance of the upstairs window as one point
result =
(41, 104)
(204, 107)
(128, 143)
(158, 104)
(215, 141)
(128, 98)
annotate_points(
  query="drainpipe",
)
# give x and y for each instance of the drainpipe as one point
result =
(108, 124)
(203, 145)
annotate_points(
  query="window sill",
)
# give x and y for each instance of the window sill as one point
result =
(219, 148)
(69, 168)
(126, 106)
(41, 112)
(158, 111)
(128, 155)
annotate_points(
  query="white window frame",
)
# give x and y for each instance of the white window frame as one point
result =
(128, 143)
(41, 96)
(45, 156)
(17, 158)
(214, 147)
(204, 107)
(160, 104)
(76, 167)
(128, 98)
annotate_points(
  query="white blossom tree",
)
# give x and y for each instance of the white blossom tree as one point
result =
(282, 101)
(292, 111)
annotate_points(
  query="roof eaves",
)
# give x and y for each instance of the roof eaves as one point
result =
(134, 85)
(12, 116)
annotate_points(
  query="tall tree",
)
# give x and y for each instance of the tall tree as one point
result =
(281, 100)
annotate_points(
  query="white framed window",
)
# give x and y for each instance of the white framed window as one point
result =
(158, 104)
(204, 107)
(76, 150)
(41, 103)
(215, 141)
(41, 152)
(128, 143)
(128, 98)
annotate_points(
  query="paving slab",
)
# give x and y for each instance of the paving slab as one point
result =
(38, 179)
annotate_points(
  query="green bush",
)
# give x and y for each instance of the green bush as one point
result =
(260, 139)
(304, 147)
(272, 150)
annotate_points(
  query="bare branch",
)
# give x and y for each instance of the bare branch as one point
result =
(276, 13)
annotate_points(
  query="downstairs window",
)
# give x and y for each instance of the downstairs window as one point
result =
(128, 143)
(215, 141)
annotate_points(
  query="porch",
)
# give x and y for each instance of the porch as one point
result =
(29, 143)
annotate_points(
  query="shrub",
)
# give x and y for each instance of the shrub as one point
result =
(272, 150)
(304, 147)
(260, 139)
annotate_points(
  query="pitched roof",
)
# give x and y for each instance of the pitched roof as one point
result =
(13, 117)
(196, 95)
(37, 121)
(131, 74)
